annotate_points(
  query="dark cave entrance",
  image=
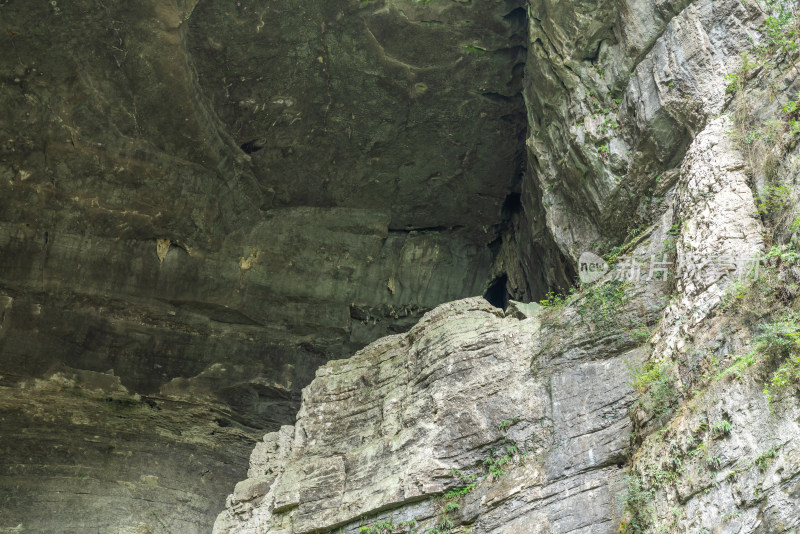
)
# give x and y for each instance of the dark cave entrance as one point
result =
(497, 294)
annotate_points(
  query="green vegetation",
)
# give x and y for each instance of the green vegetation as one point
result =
(632, 239)
(637, 502)
(779, 343)
(388, 526)
(498, 460)
(554, 300)
(721, 429)
(773, 199)
(609, 125)
(770, 300)
(763, 140)
(778, 37)
(655, 385)
(602, 303)
(737, 79)
(603, 306)
(780, 25)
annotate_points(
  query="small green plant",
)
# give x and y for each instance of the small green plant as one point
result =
(638, 506)
(787, 374)
(388, 526)
(505, 425)
(641, 333)
(765, 458)
(738, 78)
(739, 366)
(721, 429)
(774, 199)
(780, 26)
(553, 299)
(794, 227)
(655, 386)
(602, 303)
(779, 339)
(608, 125)
(735, 294)
(779, 344)
(381, 527)
(460, 492)
(792, 107)
(496, 461)
(451, 507)
(713, 462)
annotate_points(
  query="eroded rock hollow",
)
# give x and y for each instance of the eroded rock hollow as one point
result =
(202, 202)
(208, 207)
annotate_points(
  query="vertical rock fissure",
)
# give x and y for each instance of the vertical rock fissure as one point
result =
(527, 262)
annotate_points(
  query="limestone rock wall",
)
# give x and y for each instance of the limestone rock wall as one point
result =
(641, 404)
(386, 428)
(205, 201)
(611, 112)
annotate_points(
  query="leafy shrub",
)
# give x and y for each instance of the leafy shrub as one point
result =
(637, 502)
(656, 387)
(774, 198)
(779, 343)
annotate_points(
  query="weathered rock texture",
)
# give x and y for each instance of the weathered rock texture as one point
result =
(202, 202)
(385, 428)
(624, 137)
(205, 201)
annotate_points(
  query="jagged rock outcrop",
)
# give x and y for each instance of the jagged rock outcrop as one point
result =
(386, 428)
(616, 91)
(709, 442)
(203, 202)
(207, 200)
(380, 435)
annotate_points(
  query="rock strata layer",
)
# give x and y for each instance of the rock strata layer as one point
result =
(659, 399)
(386, 428)
(207, 200)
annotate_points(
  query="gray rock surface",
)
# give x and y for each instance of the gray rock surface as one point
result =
(203, 202)
(385, 428)
(208, 200)
(623, 105)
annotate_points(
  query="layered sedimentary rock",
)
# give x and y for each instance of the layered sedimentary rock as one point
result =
(616, 92)
(623, 103)
(202, 202)
(390, 439)
(386, 428)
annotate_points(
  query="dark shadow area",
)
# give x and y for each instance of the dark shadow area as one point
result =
(497, 294)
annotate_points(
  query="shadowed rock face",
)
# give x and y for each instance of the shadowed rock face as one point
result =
(202, 202)
(412, 109)
(526, 422)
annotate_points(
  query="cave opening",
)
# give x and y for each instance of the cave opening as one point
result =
(497, 294)
(252, 146)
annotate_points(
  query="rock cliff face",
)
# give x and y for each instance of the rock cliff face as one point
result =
(661, 398)
(203, 202)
